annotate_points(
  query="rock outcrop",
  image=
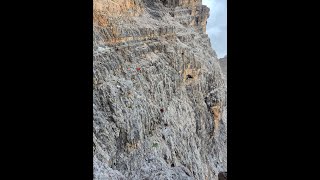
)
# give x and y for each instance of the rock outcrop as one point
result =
(159, 98)
(224, 66)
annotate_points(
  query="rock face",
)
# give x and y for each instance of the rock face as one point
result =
(224, 65)
(159, 98)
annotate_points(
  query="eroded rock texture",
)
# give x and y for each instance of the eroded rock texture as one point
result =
(224, 65)
(159, 99)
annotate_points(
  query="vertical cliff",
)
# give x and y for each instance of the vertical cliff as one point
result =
(224, 66)
(159, 99)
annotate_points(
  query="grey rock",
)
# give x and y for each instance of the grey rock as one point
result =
(159, 96)
(224, 65)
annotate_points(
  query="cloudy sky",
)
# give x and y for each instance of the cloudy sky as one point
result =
(217, 25)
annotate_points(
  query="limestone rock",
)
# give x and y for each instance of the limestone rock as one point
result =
(224, 65)
(159, 98)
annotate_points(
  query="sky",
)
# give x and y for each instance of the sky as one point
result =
(217, 25)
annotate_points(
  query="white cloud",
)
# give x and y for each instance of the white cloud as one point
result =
(217, 25)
